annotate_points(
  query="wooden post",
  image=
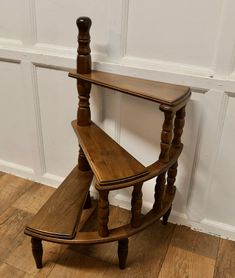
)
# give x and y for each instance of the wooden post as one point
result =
(136, 205)
(166, 135)
(83, 87)
(159, 191)
(172, 171)
(37, 251)
(83, 66)
(122, 252)
(166, 138)
(103, 213)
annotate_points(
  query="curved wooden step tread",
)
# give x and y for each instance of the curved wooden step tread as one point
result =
(154, 170)
(110, 163)
(116, 233)
(59, 216)
(164, 93)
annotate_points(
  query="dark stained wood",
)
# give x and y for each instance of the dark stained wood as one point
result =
(37, 251)
(165, 93)
(154, 170)
(113, 167)
(136, 205)
(83, 66)
(225, 263)
(166, 216)
(171, 177)
(108, 160)
(166, 136)
(118, 233)
(83, 165)
(103, 213)
(122, 252)
(190, 253)
(60, 215)
(178, 127)
(159, 191)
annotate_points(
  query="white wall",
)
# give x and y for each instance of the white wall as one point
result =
(183, 42)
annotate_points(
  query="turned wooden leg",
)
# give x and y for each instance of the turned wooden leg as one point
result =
(136, 205)
(159, 191)
(171, 177)
(83, 165)
(122, 252)
(103, 213)
(166, 216)
(37, 251)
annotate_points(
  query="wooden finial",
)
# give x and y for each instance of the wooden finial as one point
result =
(83, 58)
(83, 66)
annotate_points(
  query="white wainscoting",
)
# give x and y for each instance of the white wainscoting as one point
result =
(182, 43)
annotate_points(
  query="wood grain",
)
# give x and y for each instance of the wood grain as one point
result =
(152, 90)
(59, 216)
(7, 271)
(225, 264)
(12, 223)
(11, 188)
(108, 160)
(190, 254)
(34, 198)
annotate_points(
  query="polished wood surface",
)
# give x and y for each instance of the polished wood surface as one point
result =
(109, 161)
(83, 66)
(111, 164)
(60, 215)
(159, 92)
(155, 252)
(120, 232)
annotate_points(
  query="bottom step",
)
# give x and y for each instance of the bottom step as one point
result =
(59, 216)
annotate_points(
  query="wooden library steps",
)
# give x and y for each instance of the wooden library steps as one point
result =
(62, 217)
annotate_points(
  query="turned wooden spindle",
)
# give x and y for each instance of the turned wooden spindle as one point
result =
(83, 66)
(122, 252)
(37, 251)
(178, 127)
(166, 135)
(136, 205)
(172, 171)
(103, 213)
(171, 177)
(83, 87)
(159, 191)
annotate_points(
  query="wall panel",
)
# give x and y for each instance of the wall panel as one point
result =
(161, 30)
(56, 22)
(11, 19)
(220, 205)
(16, 135)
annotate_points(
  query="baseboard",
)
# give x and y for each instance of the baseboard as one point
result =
(206, 225)
(16, 169)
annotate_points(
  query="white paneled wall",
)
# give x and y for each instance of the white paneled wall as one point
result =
(183, 42)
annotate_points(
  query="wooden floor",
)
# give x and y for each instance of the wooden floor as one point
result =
(160, 251)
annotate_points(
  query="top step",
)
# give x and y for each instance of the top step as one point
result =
(159, 92)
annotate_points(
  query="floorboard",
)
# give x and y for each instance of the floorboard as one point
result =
(159, 251)
(225, 264)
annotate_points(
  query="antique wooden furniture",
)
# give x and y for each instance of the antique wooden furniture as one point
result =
(112, 166)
